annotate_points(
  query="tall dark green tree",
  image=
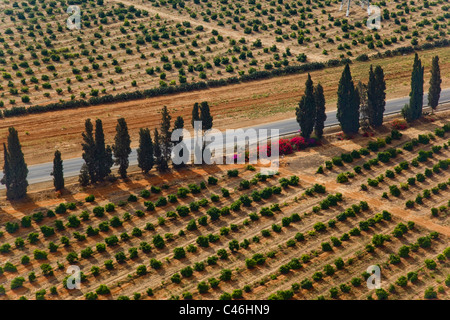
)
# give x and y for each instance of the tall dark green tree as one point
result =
(205, 116)
(165, 141)
(122, 147)
(196, 117)
(6, 180)
(363, 105)
(179, 124)
(58, 173)
(348, 103)
(306, 110)
(89, 154)
(103, 159)
(161, 165)
(15, 169)
(195, 113)
(414, 110)
(321, 116)
(407, 113)
(434, 91)
(145, 151)
(376, 96)
(83, 177)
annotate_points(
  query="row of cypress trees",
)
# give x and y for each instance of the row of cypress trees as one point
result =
(15, 170)
(152, 151)
(311, 110)
(413, 110)
(368, 100)
(97, 156)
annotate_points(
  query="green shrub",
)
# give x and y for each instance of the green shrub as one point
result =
(430, 293)
(337, 161)
(172, 198)
(430, 264)
(162, 201)
(409, 204)
(233, 173)
(17, 282)
(110, 207)
(182, 192)
(202, 287)
(394, 190)
(326, 246)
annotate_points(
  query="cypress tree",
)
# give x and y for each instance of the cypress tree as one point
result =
(371, 95)
(321, 116)
(363, 105)
(161, 165)
(348, 103)
(195, 114)
(88, 146)
(15, 168)
(122, 147)
(6, 180)
(103, 159)
(196, 117)
(381, 93)
(407, 113)
(83, 177)
(57, 173)
(145, 151)
(416, 94)
(434, 92)
(164, 139)
(205, 116)
(179, 124)
(376, 96)
(306, 110)
(109, 159)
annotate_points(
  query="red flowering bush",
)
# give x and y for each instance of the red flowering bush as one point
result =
(298, 143)
(368, 134)
(340, 136)
(399, 124)
(285, 146)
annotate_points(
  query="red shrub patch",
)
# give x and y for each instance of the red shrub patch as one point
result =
(399, 124)
(285, 146)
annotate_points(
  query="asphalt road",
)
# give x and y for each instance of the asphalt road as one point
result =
(41, 172)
